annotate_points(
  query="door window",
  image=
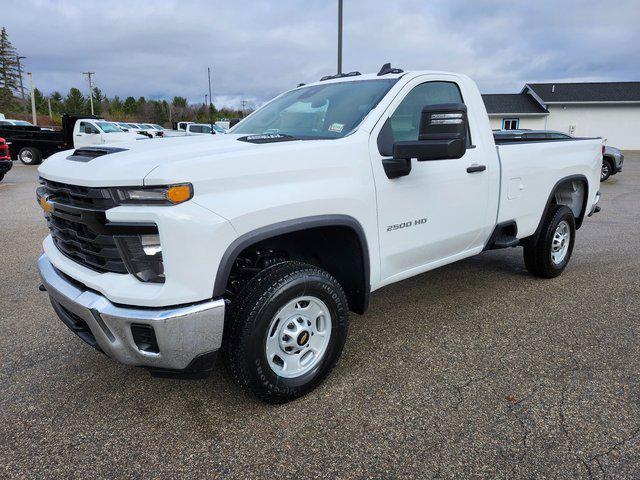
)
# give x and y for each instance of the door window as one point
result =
(405, 121)
(85, 125)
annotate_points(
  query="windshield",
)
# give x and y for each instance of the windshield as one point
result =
(320, 111)
(107, 127)
(22, 123)
(217, 128)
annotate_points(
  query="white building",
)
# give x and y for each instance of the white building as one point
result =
(610, 110)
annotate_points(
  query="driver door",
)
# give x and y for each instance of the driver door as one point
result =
(437, 213)
(86, 135)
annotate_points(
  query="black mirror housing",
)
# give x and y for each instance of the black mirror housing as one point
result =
(442, 134)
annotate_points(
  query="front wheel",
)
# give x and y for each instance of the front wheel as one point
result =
(30, 156)
(549, 256)
(286, 331)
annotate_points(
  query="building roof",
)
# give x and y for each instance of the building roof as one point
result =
(512, 103)
(586, 92)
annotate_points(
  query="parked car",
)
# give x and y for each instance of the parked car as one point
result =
(153, 130)
(612, 158)
(32, 144)
(10, 121)
(5, 159)
(259, 242)
(201, 128)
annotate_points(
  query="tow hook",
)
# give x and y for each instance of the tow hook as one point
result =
(42, 288)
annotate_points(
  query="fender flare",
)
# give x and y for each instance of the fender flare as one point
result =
(289, 226)
(533, 238)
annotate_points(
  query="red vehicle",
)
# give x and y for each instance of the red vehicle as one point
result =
(5, 158)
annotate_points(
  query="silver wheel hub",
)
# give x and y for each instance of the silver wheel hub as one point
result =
(26, 156)
(560, 242)
(298, 336)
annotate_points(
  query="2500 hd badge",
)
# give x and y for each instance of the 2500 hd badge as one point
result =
(398, 226)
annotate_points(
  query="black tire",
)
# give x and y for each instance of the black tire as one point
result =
(250, 316)
(30, 156)
(538, 257)
(607, 168)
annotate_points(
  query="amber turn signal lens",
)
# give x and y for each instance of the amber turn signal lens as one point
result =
(179, 193)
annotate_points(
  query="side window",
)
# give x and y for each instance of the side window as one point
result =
(405, 121)
(84, 125)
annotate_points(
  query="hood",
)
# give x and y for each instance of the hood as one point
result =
(168, 158)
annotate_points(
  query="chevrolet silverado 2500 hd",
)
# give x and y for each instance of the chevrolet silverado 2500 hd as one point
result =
(257, 243)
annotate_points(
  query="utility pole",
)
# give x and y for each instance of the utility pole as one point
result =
(50, 113)
(210, 98)
(24, 100)
(33, 100)
(205, 99)
(339, 36)
(243, 103)
(88, 74)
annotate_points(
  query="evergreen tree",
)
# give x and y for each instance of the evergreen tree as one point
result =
(56, 102)
(9, 75)
(41, 102)
(179, 102)
(130, 106)
(75, 102)
(98, 99)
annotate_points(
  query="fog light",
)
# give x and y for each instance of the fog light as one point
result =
(142, 255)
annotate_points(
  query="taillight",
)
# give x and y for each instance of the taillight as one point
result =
(603, 147)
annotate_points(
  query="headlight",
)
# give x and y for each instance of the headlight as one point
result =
(142, 255)
(166, 195)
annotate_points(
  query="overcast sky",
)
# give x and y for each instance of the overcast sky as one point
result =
(259, 48)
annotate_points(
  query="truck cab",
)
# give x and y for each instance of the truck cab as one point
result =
(88, 131)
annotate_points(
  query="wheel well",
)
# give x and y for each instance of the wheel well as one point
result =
(573, 194)
(571, 191)
(608, 158)
(338, 249)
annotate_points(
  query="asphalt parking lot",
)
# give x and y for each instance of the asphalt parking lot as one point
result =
(473, 370)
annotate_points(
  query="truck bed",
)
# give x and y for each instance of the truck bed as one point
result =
(530, 170)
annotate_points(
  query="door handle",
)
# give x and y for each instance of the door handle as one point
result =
(476, 168)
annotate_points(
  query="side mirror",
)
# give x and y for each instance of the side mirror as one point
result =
(442, 134)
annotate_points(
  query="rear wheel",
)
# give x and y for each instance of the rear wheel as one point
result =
(607, 169)
(286, 331)
(549, 256)
(30, 156)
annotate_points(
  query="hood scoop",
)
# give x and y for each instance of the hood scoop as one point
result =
(86, 154)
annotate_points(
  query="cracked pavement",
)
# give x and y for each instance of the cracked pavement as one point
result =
(473, 370)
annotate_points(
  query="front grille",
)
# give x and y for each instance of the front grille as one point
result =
(78, 242)
(77, 196)
(80, 230)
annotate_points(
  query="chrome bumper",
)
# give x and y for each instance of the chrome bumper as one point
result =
(183, 334)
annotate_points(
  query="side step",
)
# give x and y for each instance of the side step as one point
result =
(503, 236)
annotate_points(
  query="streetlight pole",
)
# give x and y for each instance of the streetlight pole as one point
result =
(88, 74)
(33, 100)
(210, 98)
(24, 100)
(339, 37)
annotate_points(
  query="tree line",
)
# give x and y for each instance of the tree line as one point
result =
(141, 110)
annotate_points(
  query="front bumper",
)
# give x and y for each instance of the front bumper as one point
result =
(5, 166)
(183, 334)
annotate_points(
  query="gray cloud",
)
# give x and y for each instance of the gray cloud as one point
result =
(258, 49)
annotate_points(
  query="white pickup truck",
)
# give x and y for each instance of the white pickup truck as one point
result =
(259, 243)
